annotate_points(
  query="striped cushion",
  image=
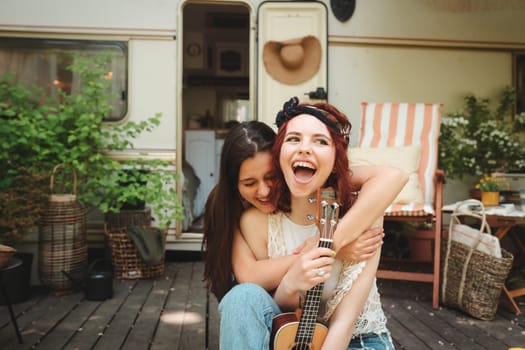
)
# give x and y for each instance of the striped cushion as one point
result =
(404, 124)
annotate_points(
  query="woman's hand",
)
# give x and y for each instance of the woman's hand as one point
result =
(310, 269)
(364, 247)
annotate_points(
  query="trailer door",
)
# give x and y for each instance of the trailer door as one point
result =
(292, 54)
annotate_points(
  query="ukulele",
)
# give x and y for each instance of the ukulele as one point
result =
(293, 332)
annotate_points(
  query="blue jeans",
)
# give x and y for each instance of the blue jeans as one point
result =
(246, 311)
(371, 341)
(246, 314)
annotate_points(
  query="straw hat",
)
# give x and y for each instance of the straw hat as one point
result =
(293, 61)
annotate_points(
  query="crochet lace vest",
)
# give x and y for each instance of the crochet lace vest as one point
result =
(372, 319)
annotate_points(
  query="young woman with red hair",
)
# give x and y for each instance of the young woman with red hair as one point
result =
(309, 153)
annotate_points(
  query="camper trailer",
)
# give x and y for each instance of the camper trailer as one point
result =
(205, 65)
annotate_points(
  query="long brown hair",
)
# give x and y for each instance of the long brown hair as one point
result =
(339, 127)
(224, 205)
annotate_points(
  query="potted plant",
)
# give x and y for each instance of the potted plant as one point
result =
(38, 133)
(71, 130)
(476, 140)
(22, 198)
(490, 188)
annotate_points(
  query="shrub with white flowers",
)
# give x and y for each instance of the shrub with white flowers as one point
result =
(477, 141)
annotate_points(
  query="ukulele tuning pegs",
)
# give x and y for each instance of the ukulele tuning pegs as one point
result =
(310, 217)
(335, 214)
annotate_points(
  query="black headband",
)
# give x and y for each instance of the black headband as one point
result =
(292, 109)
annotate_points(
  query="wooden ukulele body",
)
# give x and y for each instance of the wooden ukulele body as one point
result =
(284, 338)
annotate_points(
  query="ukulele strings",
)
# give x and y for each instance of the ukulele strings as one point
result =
(306, 330)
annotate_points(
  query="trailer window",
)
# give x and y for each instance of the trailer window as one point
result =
(44, 62)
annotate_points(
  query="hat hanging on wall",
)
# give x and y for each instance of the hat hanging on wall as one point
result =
(292, 61)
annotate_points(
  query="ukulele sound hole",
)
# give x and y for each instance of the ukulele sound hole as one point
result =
(301, 346)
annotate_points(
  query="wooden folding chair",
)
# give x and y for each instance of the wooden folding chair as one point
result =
(393, 125)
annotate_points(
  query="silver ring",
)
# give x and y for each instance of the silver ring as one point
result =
(320, 272)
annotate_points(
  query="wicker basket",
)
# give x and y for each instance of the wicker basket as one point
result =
(128, 218)
(62, 240)
(6, 252)
(127, 262)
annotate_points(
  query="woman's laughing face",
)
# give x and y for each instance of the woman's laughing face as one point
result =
(255, 181)
(307, 155)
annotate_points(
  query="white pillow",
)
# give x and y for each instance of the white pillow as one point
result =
(403, 157)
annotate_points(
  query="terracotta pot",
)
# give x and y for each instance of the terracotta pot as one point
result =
(490, 198)
(5, 254)
(420, 243)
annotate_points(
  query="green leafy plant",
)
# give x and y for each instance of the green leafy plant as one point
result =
(22, 199)
(477, 140)
(36, 136)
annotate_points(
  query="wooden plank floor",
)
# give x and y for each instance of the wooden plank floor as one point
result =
(173, 312)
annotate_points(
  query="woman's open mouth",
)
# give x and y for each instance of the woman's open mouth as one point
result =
(303, 171)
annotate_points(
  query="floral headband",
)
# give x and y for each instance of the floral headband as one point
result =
(292, 109)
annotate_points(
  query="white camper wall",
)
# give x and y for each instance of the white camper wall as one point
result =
(397, 74)
(152, 90)
(423, 51)
(116, 16)
(459, 21)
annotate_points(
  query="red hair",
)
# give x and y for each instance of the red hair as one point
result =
(339, 179)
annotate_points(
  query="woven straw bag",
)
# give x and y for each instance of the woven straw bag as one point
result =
(473, 280)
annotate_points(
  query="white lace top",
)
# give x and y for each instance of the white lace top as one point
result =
(284, 236)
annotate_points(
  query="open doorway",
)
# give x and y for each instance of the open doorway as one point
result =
(215, 94)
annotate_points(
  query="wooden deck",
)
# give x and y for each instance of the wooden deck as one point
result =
(176, 312)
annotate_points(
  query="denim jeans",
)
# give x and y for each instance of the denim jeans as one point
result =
(371, 341)
(246, 314)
